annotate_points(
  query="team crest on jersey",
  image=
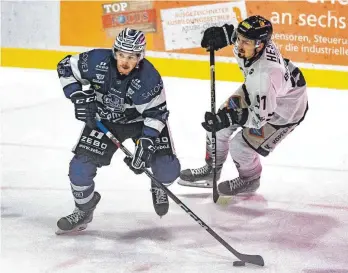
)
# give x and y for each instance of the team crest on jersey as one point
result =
(114, 102)
(130, 92)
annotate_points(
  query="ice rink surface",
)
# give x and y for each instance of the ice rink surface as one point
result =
(298, 220)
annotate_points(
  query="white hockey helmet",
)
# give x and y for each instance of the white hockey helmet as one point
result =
(130, 41)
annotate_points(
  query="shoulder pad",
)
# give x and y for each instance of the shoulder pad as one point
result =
(96, 59)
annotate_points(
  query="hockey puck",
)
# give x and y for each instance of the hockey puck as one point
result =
(238, 263)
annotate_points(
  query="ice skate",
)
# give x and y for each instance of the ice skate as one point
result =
(238, 185)
(79, 219)
(200, 177)
(159, 199)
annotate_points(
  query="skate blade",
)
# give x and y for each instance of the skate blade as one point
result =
(244, 193)
(197, 184)
(76, 229)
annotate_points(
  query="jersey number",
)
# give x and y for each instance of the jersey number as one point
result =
(263, 98)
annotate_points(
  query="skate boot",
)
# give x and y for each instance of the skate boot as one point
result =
(201, 177)
(159, 199)
(79, 219)
(238, 185)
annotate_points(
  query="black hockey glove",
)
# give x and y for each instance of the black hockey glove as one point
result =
(223, 119)
(128, 161)
(217, 37)
(85, 107)
(144, 149)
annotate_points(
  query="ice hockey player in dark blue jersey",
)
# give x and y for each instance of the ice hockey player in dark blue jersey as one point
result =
(126, 91)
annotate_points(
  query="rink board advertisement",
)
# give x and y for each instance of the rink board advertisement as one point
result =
(312, 31)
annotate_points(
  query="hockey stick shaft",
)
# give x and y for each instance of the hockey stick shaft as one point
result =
(213, 110)
(252, 259)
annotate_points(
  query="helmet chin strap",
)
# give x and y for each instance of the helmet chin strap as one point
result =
(249, 61)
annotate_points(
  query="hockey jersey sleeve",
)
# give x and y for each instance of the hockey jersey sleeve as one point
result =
(151, 104)
(69, 72)
(260, 94)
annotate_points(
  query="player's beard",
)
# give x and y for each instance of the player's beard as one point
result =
(241, 53)
(124, 69)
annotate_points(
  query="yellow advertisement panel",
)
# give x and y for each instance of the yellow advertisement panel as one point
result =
(311, 31)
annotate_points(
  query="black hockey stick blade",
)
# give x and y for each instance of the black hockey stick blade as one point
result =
(252, 259)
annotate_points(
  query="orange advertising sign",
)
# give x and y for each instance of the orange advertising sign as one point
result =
(308, 31)
(312, 31)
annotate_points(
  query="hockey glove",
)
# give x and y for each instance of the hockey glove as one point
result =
(223, 119)
(144, 149)
(128, 161)
(217, 37)
(85, 107)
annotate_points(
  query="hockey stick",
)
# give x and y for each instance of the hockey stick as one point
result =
(213, 110)
(252, 259)
(221, 200)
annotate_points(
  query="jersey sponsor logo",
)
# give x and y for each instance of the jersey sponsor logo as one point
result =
(162, 143)
(162, 147)
(84, 62)
(98, 81)
(93, 142)
(93, 150)
(102, 66)
(162, 140)
(96, 134)
(135, 83)
(280, 136)
(153, 92)
(100, 76)
(114, 90)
